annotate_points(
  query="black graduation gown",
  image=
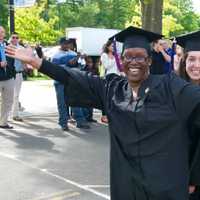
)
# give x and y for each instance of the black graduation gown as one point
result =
(149, 139)
(158, 63)
(195, 153)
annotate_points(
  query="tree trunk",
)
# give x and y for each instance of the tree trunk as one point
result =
(157, 9)
(152, 15)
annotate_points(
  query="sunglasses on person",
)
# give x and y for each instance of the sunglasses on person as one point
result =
(15, 37)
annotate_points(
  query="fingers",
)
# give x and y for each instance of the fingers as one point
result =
(10, 50)
(10, 53)
(11, 47)
(191, 189)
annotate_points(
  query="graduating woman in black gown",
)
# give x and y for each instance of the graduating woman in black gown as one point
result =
(190, 71)
(147, 115)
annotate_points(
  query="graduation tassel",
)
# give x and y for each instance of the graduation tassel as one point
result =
(119, 66)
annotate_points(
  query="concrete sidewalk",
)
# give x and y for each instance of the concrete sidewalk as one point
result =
(41, 162)
(38, 97)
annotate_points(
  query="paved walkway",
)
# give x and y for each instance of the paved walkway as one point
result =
(38, 161)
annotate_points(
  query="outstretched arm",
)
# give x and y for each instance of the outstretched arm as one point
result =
(27, 56)
(82, 89)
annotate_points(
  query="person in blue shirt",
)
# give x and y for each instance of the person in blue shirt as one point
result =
(65, 58)
(7, 73)
(168, 65)
(61, 57)
(159, 58)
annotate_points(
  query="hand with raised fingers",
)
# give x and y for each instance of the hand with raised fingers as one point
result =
(24, 54)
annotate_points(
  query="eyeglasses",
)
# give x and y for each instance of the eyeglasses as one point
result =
(15, 37)
(135, 59)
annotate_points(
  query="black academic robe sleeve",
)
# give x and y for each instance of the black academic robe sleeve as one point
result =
(81, 88)
(187, 102)
(194, 128)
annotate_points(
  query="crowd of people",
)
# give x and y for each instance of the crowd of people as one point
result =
(152, 107)
(164, 60)
(68, 57)
(11, 77)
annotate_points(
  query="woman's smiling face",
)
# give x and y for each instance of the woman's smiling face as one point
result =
(193, 65)
(136, 63)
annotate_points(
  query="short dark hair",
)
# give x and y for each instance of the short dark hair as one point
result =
(15, 33)
(62, 40)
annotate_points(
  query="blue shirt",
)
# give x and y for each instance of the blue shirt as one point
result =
(7, 72)
(169, 65)
(62, 59)
(2, 53)
(18, 64)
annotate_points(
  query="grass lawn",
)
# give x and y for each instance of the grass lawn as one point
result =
(38, 78)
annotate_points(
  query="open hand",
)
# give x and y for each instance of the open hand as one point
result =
(191, 189)
(160, 48)
(24, 54)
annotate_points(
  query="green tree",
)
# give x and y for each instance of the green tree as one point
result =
(4, 14)
(104, 14)
(93, 13)
(120, 13)
(114, 13)
(174, 16)
(32, 28)
(179, 17)
(87, 15)
(183, 5)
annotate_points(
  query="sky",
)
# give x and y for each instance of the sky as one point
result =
(196, 4)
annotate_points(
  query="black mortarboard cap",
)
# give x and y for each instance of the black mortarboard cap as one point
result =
(133, 37)
(190, 41)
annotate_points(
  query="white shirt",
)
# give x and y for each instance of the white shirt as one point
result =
(109, 64)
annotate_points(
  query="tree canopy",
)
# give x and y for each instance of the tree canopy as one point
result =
(4, 13)
(47, 20)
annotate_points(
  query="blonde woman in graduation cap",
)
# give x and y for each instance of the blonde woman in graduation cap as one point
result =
(147, 117)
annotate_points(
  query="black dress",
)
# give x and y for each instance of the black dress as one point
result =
(149, 136)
